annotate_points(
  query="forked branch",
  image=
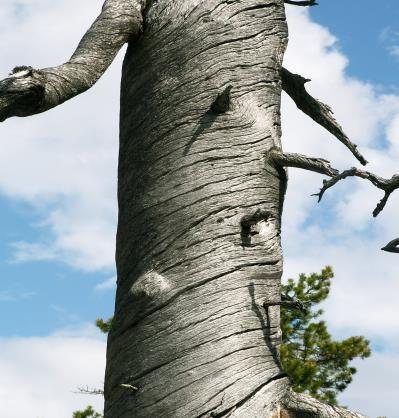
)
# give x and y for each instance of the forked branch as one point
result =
(28, 91)
(387, 185)
(319, 165)
(294, 86)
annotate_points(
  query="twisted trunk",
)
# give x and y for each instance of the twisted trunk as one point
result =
(198, 244)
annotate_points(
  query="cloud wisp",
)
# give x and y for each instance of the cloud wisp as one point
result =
(62, 163)
(39, 377)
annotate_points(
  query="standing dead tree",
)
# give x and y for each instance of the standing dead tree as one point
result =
(202, 178)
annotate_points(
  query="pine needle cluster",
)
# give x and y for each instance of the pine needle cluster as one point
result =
(315, 363)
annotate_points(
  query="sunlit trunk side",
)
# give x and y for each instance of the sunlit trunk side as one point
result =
(198, 245)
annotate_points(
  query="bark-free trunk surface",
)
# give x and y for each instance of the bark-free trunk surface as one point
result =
(201, 189)
(198, 245)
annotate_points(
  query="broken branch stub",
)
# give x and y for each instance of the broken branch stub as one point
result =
(287, 159)
(22, 93)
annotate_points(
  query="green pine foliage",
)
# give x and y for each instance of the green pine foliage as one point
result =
(89, 412)
(314, 362)
(104, 326)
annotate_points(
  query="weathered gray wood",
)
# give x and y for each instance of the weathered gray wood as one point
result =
(295, 405)
(294, 86)
(190, 330)
(28, 91)
(318, 165)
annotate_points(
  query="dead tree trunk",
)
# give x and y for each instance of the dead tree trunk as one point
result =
(200, 201)
(201, 187)
(198, 244)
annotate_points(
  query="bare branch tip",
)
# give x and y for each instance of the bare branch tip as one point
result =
(392, 246)
(321, 113)
(127, 386)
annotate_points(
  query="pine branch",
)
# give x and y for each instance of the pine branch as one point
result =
(28, 91)
(294, 86)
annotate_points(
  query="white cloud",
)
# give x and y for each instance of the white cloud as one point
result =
(7, 296)
(390, 37)
(64, 162)
(39, 375)
(24, 251)
(375, 386)
(108, 284)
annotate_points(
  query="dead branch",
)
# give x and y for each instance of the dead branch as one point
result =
(301, 3)
(294, 86)
(392, 246)
(28, 91)
(387, 185)
(322, 166)
(87, 391)
(287, 303)
(318, 165)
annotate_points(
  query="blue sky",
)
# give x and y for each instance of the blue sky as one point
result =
(43, 295)
(366, 30)
(58, 200)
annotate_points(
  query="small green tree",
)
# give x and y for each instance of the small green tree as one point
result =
(315, 363)
(89, 412)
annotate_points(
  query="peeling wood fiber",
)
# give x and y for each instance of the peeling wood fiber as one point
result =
(190, 331)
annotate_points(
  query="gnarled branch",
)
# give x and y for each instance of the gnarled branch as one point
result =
(387, 185)
(294, 86)
(319, 165)
(28, 91)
